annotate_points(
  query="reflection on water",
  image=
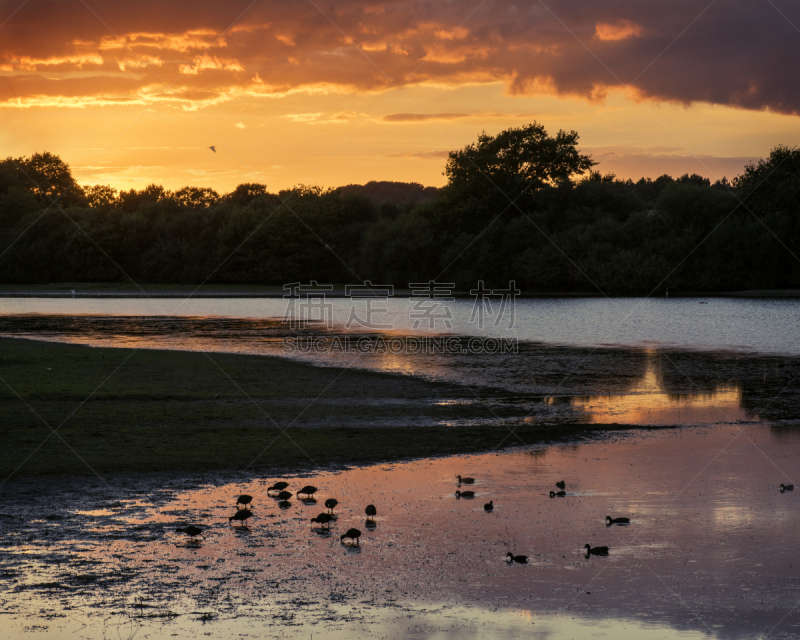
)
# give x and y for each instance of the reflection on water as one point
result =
(710, 551)
(549, 384)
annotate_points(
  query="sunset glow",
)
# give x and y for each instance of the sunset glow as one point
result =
(330, 94)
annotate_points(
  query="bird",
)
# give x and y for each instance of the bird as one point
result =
(308, 490)
(560, 494)
(561, 484)
(241, 515)
(465, 494)
(596, 551)
(353, 534)
(284, 495)
(331, 503)
(371, 512)
(190, 531)
(489, 505)
(278, 486)
(213, 148)
(244, 499)
(465, 480)
(323, 519)
(787, 487)
(610, 521)
(520, 559)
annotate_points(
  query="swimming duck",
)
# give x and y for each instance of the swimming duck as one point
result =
(787, 487)
(610, 521)
(489, 505)
(596, 551)
(510, 557)
(241, 515)
(465, 480)
(465, 494)
(353, 534)
(561, 484)
(560, 494)
(244, 499)
(331, 503)
(278, 486)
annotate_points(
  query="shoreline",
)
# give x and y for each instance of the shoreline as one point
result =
(118, 410)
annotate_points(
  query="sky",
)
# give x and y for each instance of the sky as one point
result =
(334, 92)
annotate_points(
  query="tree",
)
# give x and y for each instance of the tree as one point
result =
(196, 197)
(516, 160)
(246, 193)
(101, 195)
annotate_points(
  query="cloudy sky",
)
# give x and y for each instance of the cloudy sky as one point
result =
(335, 92)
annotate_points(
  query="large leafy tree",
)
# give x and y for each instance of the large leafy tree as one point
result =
(516, 160)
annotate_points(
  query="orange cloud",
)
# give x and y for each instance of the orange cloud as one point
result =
(620, 30)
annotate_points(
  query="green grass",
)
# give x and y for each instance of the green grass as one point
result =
(124, 410)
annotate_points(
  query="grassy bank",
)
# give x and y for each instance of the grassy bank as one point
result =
(123, 410)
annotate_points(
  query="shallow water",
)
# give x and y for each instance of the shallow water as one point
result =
(710, 550)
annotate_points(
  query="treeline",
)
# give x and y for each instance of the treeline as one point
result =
(521, 206)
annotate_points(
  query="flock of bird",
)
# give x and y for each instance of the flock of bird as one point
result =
(278, 490)
(561, 485)
(323, 520)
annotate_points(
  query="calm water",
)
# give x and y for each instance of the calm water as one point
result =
(710, 551)
(625, 361)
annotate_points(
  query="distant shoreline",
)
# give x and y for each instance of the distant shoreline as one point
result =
(109, 291)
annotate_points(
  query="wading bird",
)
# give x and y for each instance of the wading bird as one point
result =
(278, 486)
(241, 515)
(610, 521)
(465, 480)
(331, 503)
(284, 495)
(323, 519)
(561, 484)
(190, 531)
(353, 534)
(559, 494)
(308, 490)
(510, 557)
(244, 499)
(371, 512)
(489, 505)
(787, 487)
(465, 494)
(596, 551)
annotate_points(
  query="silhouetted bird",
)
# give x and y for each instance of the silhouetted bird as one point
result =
(465, 480)
(561, 484)
(371, 512)
(489, 505)
(465, 494)
(610, 521)
(331, 503)
(353, 534)
(323, 519)
(213, 148)
(559, 494)
(241, 515)
(284, 495)
(596, 551)
(308, 490)
(520, 559)
(191, 530)
(244, 499)
(787, 487)
(278, 486)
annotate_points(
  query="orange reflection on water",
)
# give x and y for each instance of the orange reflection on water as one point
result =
(648, 403)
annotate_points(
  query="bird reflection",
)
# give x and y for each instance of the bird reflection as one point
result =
(284, 504)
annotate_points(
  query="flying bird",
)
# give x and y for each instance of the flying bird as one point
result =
(213, 148)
